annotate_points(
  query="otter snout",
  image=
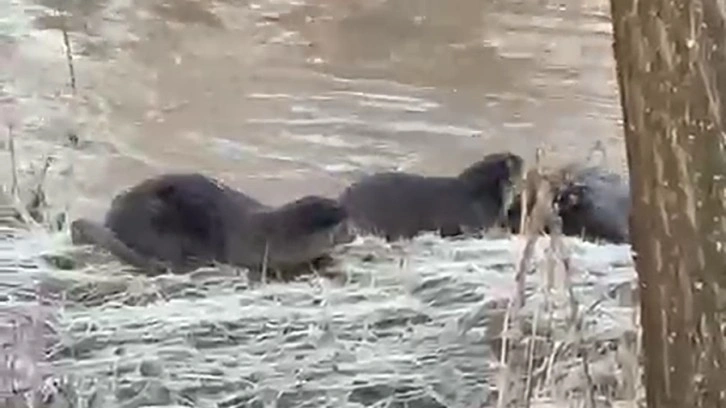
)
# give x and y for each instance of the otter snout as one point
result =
(312, 222)
(327, 216)
(312, 214)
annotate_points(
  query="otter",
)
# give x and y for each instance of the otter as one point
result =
(399, 205)
(593, 203)
(180, 222)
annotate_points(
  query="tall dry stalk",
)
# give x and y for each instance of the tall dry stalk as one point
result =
(532, 226)
(13, 164)
(21, 210)
(265, 256)
(38, 203)
(68, 51)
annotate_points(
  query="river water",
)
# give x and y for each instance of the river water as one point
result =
(284, 98)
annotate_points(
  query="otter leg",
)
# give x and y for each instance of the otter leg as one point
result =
(87, 232)
(322, 262)
(450, 231)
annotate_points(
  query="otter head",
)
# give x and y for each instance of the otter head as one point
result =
(497, 177)
(572, 202)
(571, 198)
(305, 229)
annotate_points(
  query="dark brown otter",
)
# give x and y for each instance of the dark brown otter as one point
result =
(399, 205)
(593, 203)
(180, 222)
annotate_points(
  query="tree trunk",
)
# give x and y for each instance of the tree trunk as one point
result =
(671, 68)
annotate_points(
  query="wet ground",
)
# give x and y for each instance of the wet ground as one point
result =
(282, 99)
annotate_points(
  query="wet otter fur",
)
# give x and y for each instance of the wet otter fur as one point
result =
(399, 205)
(180, 222)
(593, 203)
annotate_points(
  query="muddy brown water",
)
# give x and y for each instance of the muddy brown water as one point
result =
(281, 99)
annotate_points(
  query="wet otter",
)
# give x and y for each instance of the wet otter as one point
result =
(592, 202)
(399, 205)
(183, 221)
(595, 204)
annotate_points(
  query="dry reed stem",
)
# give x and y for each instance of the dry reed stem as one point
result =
(531, 226)
(13, 164)
(559, 251)
(523, 216)
(543, 215)
(38, 198)
(530, 359)
(18, 205)
(68, 52)
(549, 378)
(264, 262)
(534, 224)
(503, 377)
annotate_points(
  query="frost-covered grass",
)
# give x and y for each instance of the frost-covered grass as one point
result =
(28, 325)
(414, 323)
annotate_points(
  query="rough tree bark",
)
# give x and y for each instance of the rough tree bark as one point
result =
(671, 67)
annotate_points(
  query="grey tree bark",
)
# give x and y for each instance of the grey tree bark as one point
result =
(671, 68)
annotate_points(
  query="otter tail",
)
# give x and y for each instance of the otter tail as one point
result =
(87, 232)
